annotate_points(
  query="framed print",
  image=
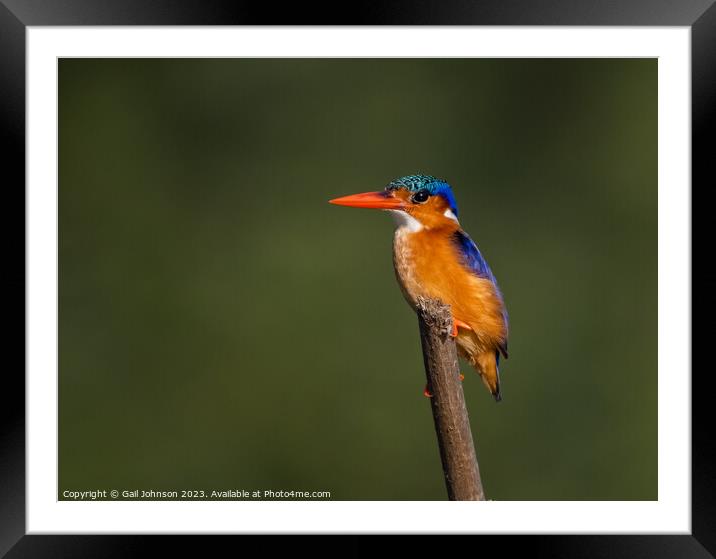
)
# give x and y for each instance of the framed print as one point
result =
(213, 348)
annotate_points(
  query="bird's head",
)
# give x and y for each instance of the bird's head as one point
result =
(417, 201)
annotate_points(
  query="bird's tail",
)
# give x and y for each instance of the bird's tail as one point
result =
(486, 364)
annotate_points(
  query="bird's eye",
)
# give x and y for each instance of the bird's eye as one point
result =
(421, 196)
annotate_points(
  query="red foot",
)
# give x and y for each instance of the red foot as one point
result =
(427, 392)
(456, 322)
(462, 377)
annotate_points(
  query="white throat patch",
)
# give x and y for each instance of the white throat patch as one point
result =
(406, 222)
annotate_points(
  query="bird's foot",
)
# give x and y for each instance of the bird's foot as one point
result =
(462, 377)
(457, 323)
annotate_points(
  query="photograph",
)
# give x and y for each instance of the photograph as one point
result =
(357, 279)
(418, 269)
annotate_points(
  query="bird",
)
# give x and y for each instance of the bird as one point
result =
(434, 258)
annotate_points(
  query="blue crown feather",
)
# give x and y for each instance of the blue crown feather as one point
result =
(435, 186)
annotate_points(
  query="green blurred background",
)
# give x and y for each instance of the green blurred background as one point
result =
(222, 327)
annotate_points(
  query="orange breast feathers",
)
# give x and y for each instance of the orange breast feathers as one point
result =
(428, 264)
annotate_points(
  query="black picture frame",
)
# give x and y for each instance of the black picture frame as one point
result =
(16, 15)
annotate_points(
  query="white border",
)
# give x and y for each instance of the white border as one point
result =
(670, 514)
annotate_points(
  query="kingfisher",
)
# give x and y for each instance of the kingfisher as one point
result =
(435, 258)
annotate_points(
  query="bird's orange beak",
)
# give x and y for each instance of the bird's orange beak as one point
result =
(383, 199)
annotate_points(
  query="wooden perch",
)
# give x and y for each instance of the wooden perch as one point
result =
(457, 452)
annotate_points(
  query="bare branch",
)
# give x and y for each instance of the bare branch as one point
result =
(457, 452)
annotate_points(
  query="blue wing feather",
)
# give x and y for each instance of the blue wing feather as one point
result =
(472, 256)
(474, 260)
